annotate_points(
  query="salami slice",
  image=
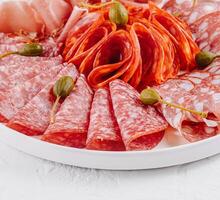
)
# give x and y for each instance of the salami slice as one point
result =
(206, 32)
(33, 118)
(19, 73)
(15, 98)
(72, 120)
(103, 132)
(142, 127)
(187, 10)
(174, 91)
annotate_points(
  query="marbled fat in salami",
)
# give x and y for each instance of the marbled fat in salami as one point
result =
(190, 11)
(72, 120)
(34, 117)
(17, 97)
(103, 132)
(206, 31)
(142, 127)
(19, 73)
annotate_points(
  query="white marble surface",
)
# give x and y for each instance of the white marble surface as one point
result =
(23, 177)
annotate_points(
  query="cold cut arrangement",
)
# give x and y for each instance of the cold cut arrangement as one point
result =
(110, 75)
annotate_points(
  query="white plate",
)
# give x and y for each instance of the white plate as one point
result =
(165, 155)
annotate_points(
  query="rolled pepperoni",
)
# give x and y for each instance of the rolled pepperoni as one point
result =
(34, 117)
(142, 127)
(72, 119)
(103, 132)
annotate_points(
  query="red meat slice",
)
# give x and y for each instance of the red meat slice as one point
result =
(15, 98)
(142, 127)
(33, 118)
(72, 120)
(189, 12)
(17, 74)
(207, 32)
(103, 132)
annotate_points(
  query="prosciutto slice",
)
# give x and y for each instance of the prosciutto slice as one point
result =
(142, 127)
(33, 118)
(72, 120)
(103, 132)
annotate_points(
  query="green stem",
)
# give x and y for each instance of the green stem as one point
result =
(85, 5)
(53, 110)
(201, 114)
(7, 54)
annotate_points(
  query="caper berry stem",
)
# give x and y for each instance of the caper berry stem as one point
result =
(54, 109)
(201, 114)
(7, 54)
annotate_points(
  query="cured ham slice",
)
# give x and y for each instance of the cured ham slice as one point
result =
(13, 14)
(73, 19)
(33, 118)
(142, 127)
(38, 15)
(72, 120)
(103, 132)
(53, 13)
(17, 97)
(187, 10)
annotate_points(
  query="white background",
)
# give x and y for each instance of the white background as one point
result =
(23, 177)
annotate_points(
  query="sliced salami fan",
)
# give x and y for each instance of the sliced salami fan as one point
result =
(142, 127)
(72, 120)
(15, 98)
(103, 132)
(34, 117)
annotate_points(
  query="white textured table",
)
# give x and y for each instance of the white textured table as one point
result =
(23, 177)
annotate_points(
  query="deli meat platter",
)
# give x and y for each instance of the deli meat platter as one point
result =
(119, 84)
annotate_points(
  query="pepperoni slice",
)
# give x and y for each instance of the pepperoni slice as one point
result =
(15, 98)
(103, 132)
(109, 61)
(33, 118)
(142, 127)
(72, 120)
(80, 31)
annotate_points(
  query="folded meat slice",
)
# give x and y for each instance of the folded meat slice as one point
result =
(19, 15)
(103, 132)
(18, 96)
(109, 61)
(34, 117)
(20, 72)
(53, 13)
(72, 119)
(206, 31)
(142, 127)
(192, 91)
(190, 10)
